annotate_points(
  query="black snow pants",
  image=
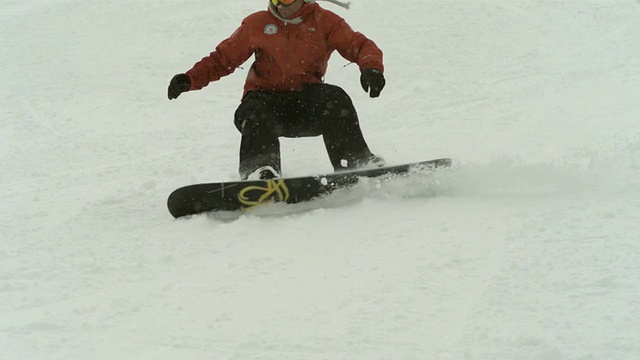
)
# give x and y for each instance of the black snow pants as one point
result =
(318, 109)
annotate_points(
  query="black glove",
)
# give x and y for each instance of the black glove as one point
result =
(179, 84)
(372, 79)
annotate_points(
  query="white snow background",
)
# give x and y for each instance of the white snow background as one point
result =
(529, 248)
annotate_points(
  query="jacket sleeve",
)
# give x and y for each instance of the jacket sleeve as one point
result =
(352, 45)
(228, 55)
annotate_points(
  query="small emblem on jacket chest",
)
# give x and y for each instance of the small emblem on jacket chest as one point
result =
(271, 29)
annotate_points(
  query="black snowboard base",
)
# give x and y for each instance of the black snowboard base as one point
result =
(247, 194)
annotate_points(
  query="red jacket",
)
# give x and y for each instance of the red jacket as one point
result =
(287, 56)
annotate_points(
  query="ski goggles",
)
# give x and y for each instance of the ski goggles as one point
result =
(282, 2)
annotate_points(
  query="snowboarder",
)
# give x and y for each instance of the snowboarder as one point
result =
(284, 93)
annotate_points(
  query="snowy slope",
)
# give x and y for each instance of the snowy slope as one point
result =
(530, 251)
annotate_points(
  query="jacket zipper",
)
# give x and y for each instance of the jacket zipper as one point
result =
(287, 71)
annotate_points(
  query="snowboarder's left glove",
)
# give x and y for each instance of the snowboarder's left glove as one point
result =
(372, 79)
(179, 84)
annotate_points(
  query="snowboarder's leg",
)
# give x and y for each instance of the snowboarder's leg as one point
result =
(257, 119)
(332, 108)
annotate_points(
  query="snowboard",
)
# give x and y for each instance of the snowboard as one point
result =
(246, 194)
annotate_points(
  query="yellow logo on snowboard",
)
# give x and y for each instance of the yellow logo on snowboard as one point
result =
(275, 191)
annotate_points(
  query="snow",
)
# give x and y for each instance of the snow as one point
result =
(529, 248)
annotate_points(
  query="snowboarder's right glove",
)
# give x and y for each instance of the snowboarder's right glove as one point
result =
(179, 84)
(372, 79)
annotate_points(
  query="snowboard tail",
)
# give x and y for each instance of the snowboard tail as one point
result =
(247, 194)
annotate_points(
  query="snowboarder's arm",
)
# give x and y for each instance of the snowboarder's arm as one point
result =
(352, 45)
(228, 55)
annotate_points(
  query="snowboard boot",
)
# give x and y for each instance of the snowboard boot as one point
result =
(374, 161)
(264, 173)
